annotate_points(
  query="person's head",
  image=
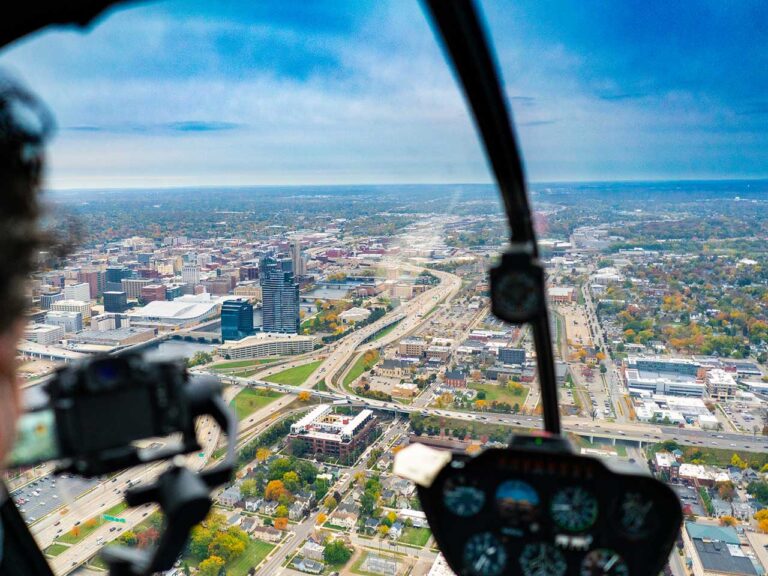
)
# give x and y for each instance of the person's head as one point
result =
(25, 126)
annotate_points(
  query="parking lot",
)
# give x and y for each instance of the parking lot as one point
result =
(40, 497)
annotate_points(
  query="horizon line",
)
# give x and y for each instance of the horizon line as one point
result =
(390, 184)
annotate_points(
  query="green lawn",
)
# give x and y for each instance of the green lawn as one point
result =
(415, 536)
(359, 367)
(117, 509)
(77, 533)
(242, 364)
(254, 553)
(294, 376)
(385, 331)
(249, 400)
(55, 549)
(500, 393)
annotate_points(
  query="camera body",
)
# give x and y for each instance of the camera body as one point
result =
(104, 405)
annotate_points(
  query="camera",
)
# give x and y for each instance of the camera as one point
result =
(98, 409)
(97, 412)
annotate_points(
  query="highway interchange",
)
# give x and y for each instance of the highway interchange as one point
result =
(95, 497)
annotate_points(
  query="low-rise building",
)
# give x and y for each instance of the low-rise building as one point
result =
(721, 385)
(230, 496)
(44, 334)
(312, 551)
(715, 550)
(354, 315)
(266, 344)
(267, 533)
(412, 347)
(332, 434)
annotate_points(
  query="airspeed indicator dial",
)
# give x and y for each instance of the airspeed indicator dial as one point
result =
(542, 559)
(574, 509)
(484, 555)
(603, 562)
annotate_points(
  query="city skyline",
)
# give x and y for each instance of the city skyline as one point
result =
(272, 95)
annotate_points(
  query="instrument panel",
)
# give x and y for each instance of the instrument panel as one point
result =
(531, 512)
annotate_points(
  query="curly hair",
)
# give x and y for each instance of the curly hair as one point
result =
(25, 126)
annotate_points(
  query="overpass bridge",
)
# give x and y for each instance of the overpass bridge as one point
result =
(632, 434)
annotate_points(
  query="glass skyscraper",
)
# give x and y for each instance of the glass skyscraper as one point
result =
(280, 295)
(236, 319)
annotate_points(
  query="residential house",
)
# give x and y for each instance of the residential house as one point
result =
(253, 504)
(308, 566)
(247, 524)
(298, 510)
(312, 551)
(396, 530)
(267, 533)
(371, 525)
(344, 519)
(268, 507)
(231, 496)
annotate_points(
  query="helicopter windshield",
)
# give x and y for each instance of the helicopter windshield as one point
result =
(294, 198)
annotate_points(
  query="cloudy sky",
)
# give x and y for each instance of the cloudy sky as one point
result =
(244, 92)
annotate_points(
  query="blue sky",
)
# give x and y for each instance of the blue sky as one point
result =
(235, 93)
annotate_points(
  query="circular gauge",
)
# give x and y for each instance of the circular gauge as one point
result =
(603, 562)
(636, 514)
(484, 555)
(461, 499)
(517, 499)
(574, 509)
(517, 296)
(542, 559)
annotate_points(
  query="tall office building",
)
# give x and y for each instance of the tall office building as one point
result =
(297, 258)
(114, 278)
(80, 291)
(190, 274)
(132, 286)
(47, 300)
(96, 279)
(236, 319)
(116, 301)
(280, 295)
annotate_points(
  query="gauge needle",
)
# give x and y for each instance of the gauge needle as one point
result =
(611, 562)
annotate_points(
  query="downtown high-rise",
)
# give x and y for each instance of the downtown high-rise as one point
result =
(280, 295)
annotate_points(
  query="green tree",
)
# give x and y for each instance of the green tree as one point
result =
(249, 488)
(199, 541)
(330, 502)
(199, 359)
(291, 481)
(211, 566)
(226, 546)
(281, 511)
(336, 552)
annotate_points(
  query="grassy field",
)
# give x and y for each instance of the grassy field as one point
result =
(385, 331)
(55, 549)
(294, 376)
(358, 368)
(242, 364)
(500, 393)
(254, 553)
(85, 528)
(415, 536)
(249, 400)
